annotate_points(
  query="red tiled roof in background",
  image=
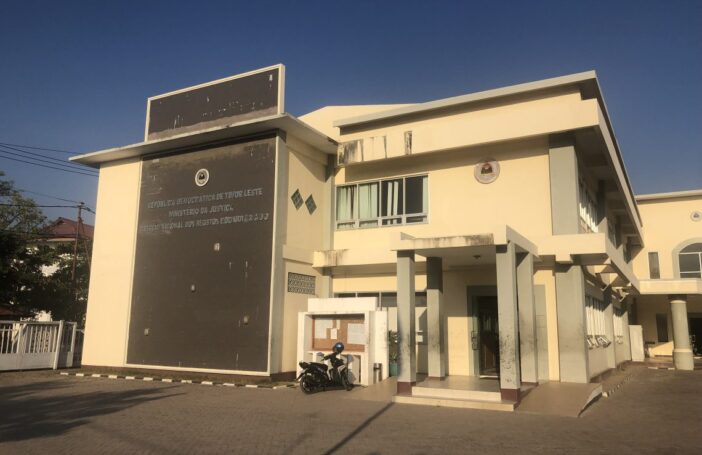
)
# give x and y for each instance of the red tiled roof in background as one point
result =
(63, 228)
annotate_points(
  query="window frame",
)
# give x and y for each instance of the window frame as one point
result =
(587, 208)
(696, 274)
(358, 223)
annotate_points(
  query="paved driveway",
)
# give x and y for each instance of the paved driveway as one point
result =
(42, 412)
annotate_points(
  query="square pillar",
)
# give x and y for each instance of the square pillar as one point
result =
(564, 179)
(406, 332)
(609, 327)
(435, 319)
(573, 354)
(528, 348)
(508, 322)
(682, 351)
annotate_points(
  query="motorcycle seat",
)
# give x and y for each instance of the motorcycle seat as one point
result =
(323, 366)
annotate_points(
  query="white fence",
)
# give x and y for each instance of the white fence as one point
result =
(35, 345)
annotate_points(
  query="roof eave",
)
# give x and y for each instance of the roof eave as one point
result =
(454, 101)
(279, 122)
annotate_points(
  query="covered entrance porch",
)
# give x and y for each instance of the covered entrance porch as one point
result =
(503, 333)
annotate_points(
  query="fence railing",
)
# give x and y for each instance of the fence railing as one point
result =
(35, 345)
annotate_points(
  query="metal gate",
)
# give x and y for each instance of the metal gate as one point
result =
(36, 345)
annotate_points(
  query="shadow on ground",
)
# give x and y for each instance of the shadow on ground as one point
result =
(27, 412)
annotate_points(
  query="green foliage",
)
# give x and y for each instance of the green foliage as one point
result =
(24, 259)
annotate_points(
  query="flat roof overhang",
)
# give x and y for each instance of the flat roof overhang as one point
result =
(671, 195)
(589, 87)
(457, 251)
(278, 122)
(670, 286)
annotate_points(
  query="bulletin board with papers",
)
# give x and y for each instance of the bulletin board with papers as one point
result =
(350, 330)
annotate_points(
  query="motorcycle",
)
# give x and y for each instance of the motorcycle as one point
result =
(318, 376)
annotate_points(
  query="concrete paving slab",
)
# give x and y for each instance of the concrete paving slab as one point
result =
(560, 398)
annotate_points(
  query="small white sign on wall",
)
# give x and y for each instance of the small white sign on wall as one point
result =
(356, 334)
(321, 326)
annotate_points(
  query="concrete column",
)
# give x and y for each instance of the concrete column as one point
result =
(406, 332)
(508, 321)
(682, 351)
(435, 320)
(609, 327)
(572, 344)
(563, 170)
(326, 283)
(528, 349)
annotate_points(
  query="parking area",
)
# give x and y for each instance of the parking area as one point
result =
(659, 411)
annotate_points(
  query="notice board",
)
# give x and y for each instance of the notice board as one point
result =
(350, 330)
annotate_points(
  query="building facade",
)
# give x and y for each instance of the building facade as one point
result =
(498, 229)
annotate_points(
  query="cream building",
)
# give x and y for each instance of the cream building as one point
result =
(499, 230)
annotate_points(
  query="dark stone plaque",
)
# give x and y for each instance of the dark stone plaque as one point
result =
(202, 271)
(237, 99)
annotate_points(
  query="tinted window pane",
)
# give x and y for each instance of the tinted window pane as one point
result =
(653, 267)
(416, 195)
(694, 248)
(689, 262)
(662, 327)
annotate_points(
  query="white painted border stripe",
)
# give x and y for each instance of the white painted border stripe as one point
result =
(182, 381)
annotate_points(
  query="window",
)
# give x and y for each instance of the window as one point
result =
(346, 207)
(382, 203)
(662, 327)
(588, 209)
(612, 232)
(595, 321)
(387, 299)
(653, 268)
(690, 259)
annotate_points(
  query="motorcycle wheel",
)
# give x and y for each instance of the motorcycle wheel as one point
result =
(306, 385)
(346, 382)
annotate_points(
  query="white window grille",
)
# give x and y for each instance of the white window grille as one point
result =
(387, 202)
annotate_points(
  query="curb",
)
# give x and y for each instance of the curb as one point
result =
(178, 381)
(609, 392)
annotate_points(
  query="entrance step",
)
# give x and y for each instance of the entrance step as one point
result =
(507, 406)
(456, 394)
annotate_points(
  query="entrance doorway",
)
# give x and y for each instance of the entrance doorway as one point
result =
(488, 336)
(696, 334)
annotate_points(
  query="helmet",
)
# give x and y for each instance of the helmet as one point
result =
(338, 347)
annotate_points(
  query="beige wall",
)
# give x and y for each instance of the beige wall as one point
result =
(666, 224)
(458, 203)
(545, 278)
(493, 121)
(648, 306)
(109, 297)
(307, 174)
(304, 233)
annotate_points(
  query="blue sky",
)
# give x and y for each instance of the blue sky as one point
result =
(76, 75)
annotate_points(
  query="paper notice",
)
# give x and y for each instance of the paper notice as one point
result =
(321, 326)
(334, 334)
(356, 334)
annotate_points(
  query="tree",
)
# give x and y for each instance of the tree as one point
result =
(20, 266)
(26, 260)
